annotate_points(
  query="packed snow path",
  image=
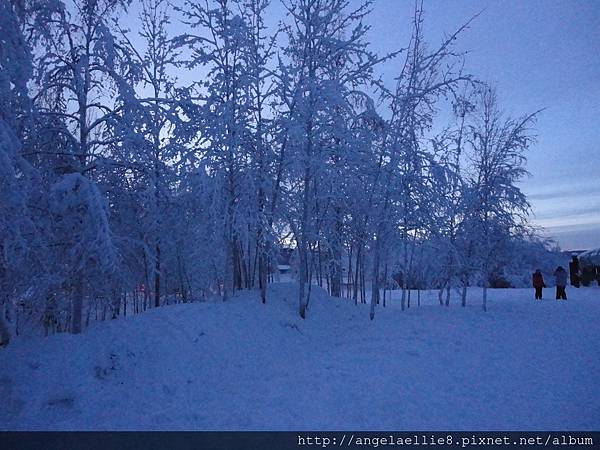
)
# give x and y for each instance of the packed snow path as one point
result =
(242, 365)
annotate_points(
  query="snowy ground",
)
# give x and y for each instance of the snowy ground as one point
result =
(244, 365)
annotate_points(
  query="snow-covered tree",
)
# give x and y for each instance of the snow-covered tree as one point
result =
(402, 186)
(15, 72)
(220, 42)
(496, 205)
(328, 62)
(149, 125)
(77, 65)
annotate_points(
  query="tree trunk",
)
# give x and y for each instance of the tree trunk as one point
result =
(403, 299)
(349, 278)
(363, 284)
(336, 263)
(375, 281)
(262, 276)
(303, 247)
(77, 305)
(4, 330)
(485, 295)
(302, 284)
(385, 283)
(157, 278)
(357, 276)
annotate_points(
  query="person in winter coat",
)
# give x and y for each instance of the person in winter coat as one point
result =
(538, 284)
(560, 276)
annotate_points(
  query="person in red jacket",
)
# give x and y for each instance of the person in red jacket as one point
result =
(538, 284)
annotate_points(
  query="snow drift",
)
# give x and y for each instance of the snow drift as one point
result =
(242, 365)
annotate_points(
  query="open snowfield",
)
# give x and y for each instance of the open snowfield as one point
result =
(243, 365)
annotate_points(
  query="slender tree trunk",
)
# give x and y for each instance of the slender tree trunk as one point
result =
(302, 284)
(349, 280)
(485, 295)
(375, 280)
(485, 284)
(4, 330)
(310, 272)
(303, 247)
(249, 266)
(262, 275)
(336, 264)
(385, 280)
(320, 265)
(363, 284)
(357, 275)
(403, 298)
(146, 299)
(157, 278)
(77, 305)
(255, 263)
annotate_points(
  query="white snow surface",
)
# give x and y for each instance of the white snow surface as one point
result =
(242, 365)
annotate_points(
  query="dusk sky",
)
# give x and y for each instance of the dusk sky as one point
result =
(540, 54)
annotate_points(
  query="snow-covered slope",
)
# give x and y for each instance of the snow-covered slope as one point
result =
(245, 365)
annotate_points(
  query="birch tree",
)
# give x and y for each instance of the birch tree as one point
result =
(77, 65)
(425, 77)
(220, 42)
(496, 203)
(328, 58)
(149, 125)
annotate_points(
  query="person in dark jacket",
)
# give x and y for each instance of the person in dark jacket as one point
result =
(538, 284)
(560, 276)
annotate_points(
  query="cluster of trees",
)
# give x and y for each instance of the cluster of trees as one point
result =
(124, 185)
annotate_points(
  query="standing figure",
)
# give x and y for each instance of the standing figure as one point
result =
(538, 284)
(560, 275)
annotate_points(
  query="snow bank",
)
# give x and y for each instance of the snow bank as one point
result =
(243, 365)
